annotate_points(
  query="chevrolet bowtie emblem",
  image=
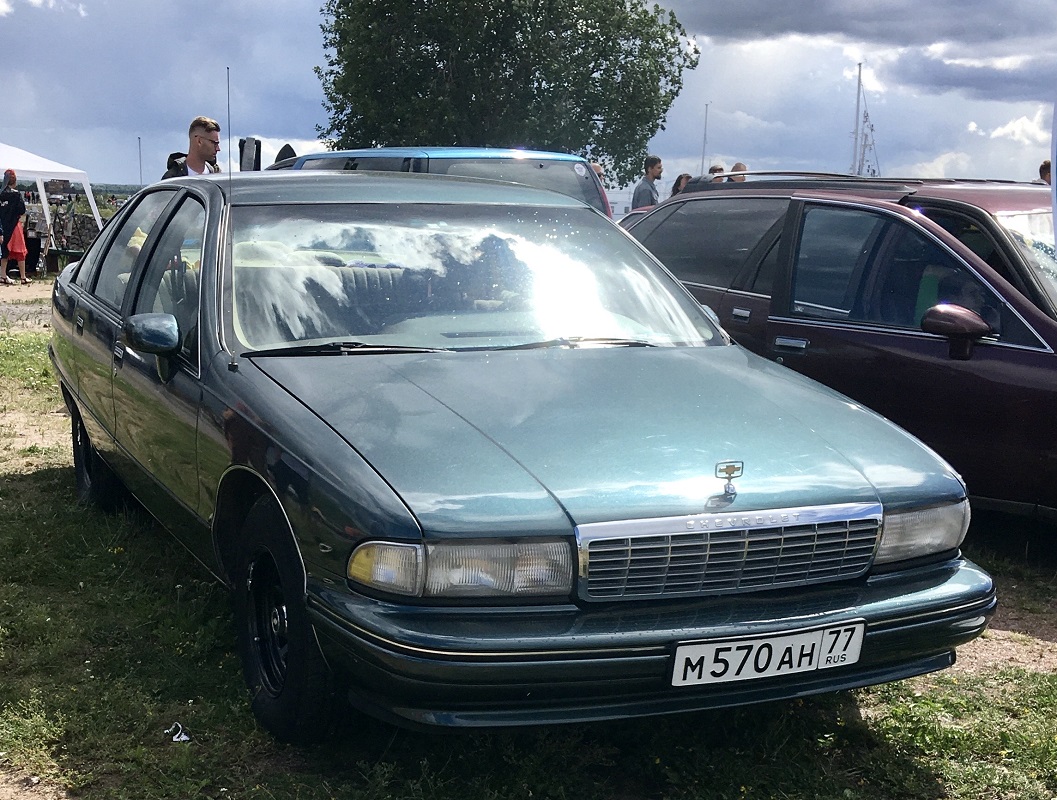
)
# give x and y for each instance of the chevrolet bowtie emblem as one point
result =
(730, 470)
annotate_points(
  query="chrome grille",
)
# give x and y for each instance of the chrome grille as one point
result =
(719, 553)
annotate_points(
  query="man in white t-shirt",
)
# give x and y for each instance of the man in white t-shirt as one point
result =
(202, 147)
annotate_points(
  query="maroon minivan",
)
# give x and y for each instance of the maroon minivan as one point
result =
(933, 302)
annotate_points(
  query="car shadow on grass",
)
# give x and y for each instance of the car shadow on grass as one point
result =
(813, 747)
(156, 646)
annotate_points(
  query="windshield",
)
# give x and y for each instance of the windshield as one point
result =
(1033, 233)
(449, 276)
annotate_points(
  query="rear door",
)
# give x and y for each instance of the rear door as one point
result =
(97, 314)
(847, 309)
(706, 242)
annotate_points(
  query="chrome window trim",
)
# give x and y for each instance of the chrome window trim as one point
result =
(896, 330)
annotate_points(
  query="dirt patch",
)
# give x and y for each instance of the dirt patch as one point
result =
(26, 306)
(29, 787)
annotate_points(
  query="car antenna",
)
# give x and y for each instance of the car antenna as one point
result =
(233, 364)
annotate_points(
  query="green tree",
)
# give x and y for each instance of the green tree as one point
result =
(594, 77)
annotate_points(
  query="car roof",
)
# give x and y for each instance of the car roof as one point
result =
(447, 152)
(993, 196)
(364, 186)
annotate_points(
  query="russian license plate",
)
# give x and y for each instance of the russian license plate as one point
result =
(745, 659)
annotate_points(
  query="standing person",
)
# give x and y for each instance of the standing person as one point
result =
(738, 167)
(1044, 171)
(680, 183)
(202, 147)
(646, 192)
(716, 171)
(12, 209)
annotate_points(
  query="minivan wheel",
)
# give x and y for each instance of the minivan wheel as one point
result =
(290, 684)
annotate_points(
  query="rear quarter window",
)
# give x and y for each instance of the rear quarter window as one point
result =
(706, 241)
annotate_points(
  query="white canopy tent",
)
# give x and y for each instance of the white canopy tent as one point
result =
(28, 165)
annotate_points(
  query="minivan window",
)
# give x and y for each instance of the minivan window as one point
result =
(333, 162)
(706, 241)
(860, 266)
(835, 244)
(572, 178)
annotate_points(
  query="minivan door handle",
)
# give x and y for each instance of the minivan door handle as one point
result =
(790, 343)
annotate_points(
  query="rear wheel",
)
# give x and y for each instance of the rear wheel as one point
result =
(289, 682)
(96, 484)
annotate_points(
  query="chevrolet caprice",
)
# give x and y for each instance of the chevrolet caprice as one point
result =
(467, 455)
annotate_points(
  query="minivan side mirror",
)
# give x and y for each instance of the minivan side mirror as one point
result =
(959, 325)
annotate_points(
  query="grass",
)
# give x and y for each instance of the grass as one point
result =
(110, 633)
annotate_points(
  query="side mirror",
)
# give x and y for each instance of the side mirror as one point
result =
(713, 317)
(959, 325)
(152, 333)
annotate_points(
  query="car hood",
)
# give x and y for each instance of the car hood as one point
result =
(532, 441)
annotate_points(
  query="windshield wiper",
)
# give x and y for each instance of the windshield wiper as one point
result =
(578, 341)
(343, 349)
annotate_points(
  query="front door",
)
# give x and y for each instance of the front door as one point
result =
(850, 314)
(156, 398)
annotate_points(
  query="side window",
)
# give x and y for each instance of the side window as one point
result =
(707, 241)
(763, 283)
(858, 266)
(980, 241)
(961, 287)
(380, 164)
(125, 246)
(90, 261)
(835, 246)
(170, 282)
(337, 162)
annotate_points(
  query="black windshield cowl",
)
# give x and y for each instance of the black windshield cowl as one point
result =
(579, 341)
(342, 349)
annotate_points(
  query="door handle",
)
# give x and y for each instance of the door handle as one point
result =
(78, 324)
(741, 314)
(791, 343)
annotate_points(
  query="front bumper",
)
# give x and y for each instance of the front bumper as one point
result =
(472, 667)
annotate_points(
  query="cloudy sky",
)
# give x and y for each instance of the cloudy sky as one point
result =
(957, 88)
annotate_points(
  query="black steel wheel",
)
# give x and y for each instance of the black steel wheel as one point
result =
(289, 682)
(96, 484)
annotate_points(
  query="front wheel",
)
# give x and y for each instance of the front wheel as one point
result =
(289, 682)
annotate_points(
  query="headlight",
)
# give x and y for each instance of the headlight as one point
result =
(465, 569)
(910, 534)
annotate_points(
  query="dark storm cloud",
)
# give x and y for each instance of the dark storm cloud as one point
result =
(942, 45)
(1030, 79)
(904, 23)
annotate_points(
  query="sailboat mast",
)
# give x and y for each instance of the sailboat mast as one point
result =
(855, 134)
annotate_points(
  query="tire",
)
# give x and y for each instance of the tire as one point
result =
(291, 687)
(96, 484)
